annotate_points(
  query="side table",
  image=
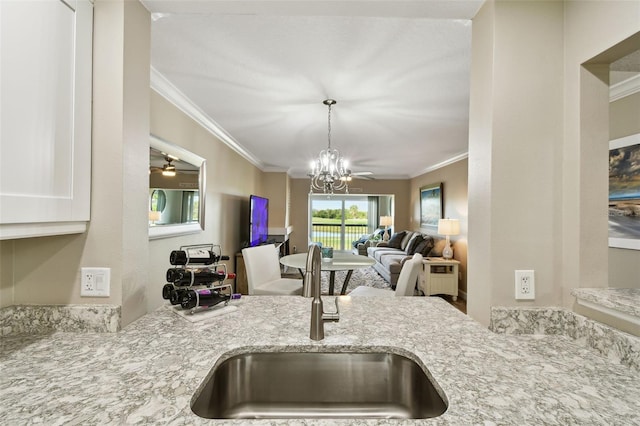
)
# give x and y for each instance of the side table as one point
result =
(440, 276)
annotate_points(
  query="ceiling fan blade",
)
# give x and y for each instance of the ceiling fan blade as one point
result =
(183, 171)
(364, 177)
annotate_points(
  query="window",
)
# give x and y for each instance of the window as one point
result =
(338, 221)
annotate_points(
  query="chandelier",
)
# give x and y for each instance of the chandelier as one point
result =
(329, 171)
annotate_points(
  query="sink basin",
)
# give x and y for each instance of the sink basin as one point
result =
(317, 385)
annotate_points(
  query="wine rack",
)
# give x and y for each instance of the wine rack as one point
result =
(196, 279)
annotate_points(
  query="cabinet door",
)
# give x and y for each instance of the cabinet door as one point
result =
(45, 116)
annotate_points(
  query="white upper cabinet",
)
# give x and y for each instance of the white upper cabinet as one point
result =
(45, 117)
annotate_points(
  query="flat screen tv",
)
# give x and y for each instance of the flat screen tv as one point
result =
(258, 220)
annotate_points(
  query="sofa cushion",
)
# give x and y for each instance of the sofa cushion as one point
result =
(413, 243)
(392, 261)
(396, 240)
(378, 252)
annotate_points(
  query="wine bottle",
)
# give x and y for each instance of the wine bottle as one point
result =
(166, 291)
(203, 297)
(177, 295)
(185, 277)
(195, 257)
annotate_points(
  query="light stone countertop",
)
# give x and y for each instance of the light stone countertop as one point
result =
(147, 373)
(626, 300)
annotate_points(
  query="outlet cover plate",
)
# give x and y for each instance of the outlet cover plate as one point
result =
(525, 285)
(95, 282)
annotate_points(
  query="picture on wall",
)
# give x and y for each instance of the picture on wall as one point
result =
(624, 192)
(430, 205)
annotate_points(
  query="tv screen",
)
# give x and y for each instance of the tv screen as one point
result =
(258, 220)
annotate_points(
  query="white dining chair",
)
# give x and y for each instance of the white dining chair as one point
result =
(406, 281)
(263, 272)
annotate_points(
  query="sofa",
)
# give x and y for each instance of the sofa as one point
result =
(391, 255)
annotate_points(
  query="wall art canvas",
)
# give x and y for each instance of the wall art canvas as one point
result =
(624, 192)
(430, 205)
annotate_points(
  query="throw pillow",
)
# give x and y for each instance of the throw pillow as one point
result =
(413, 243)
(438, 246)
(362, 239)
(379, 233)
(425, 246)
(396, 239)
(406, 239)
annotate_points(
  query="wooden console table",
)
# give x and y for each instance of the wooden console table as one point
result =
(440, 276)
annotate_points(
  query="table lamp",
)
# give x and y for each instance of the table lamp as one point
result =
(386, 221)
(154, 216)
(448, 227)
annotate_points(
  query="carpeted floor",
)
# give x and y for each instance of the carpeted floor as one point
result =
(366, 277)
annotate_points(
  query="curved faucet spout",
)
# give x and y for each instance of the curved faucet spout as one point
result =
(312, 284)
(311, 288)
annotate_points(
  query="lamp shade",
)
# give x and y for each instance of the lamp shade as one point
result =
(386, 220)
(448, 227)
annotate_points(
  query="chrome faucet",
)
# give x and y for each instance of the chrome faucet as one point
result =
(311, 288)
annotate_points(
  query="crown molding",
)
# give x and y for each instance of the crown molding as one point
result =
(273, 169)
(442, 164)
(171, 93)
(624, 88)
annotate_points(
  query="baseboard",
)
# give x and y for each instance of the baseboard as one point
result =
(462, 295)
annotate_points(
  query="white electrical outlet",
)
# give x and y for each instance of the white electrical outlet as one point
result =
(95, 282)
(525, 285)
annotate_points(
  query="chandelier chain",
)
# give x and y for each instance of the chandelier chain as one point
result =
(329, 126)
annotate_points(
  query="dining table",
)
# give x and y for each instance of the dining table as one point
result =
(341, 261)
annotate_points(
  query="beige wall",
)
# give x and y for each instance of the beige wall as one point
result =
(538, 148)
(300, 200)
(230, 181)
(514, 152)
(624, 265)
(6, 273)
(591, 29)
(624, 116)
(454, 178)
(275, 188)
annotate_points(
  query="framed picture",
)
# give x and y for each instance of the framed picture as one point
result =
(624, 192)
(430, 205)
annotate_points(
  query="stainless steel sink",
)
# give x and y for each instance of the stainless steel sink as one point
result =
(317, 384)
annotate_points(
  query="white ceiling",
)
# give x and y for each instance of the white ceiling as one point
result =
(399, 71)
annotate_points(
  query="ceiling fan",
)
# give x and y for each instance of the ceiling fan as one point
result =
(167, 169)
(360, 175)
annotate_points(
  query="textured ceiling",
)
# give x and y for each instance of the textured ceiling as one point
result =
(398, 70)
(625, 68)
